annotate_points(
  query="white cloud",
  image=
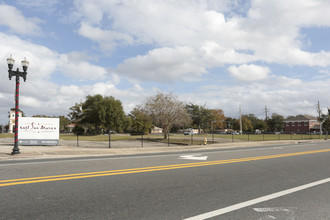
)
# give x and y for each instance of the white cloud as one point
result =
(107, 38)
(269, 31)
(17, 23)
(164, 65)
(80, 69)
(249, 73)
(28, 101)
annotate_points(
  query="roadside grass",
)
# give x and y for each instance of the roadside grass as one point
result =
(181, 139)
(270, 137)
(6, 135)
(114, 137)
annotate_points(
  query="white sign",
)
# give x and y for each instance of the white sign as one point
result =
(38, 129)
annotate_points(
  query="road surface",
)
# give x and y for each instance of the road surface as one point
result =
(273, 182)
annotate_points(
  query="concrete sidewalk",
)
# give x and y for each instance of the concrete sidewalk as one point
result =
(88, 148)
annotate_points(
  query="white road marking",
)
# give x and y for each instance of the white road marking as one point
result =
(268, 217)
(273, 209)
(135, 157)
(256, 201)
(288, 212)
(193, 157)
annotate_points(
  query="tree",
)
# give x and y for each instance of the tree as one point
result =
(200, 115)
(76, 113)
(112, 114)
(246, 124)
(78, 130)
(166, 111)
(64, 122)
(219, 119)
(99, 113)
(276, 122)
(326, 121)
(229, 122)
(93, 115)
(141, 121)
(256, 122)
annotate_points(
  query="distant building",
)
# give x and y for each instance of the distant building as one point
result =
(301, 124)
(70, 127)
(156, 130)
(12, 120)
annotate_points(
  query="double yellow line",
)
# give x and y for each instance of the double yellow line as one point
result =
(145, 169)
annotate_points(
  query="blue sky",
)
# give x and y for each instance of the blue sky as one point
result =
(222, 54)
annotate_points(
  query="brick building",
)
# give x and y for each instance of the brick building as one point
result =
(301, 124)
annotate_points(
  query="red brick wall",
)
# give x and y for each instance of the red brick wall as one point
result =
(295, 128)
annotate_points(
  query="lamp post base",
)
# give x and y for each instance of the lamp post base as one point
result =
(15, 152)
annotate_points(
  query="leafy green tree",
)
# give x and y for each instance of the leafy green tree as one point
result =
(64, 122)
(229, 122)
(326, 121)
(75, 113)
(141, 121)
(256, 122)
(276, 122)
(326, 124)
(166, 111)
(78, 130)
(112, 114)
(200, 115)
(99, 114)
(246, 124)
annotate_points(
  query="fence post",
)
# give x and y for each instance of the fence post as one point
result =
(248, 137)
(263, 137)
(232, 137)
(168, 139)
(77, 140)
(142, 140)
(109, 138)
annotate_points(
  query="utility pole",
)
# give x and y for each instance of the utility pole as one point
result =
(319, 111)
(266, 112)
(240, 120)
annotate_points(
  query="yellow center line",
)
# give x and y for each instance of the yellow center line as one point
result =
(12, 182)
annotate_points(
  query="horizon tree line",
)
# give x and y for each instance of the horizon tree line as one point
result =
(103, 114)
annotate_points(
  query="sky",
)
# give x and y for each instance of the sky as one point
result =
(223, 54)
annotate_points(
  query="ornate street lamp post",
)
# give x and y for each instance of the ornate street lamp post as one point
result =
(17, 73)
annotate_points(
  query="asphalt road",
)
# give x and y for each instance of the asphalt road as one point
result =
(293, 183)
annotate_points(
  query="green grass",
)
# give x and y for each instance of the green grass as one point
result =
(114, 137)
(186, 139)
(6, 135)
(196, 139)
(270, 137)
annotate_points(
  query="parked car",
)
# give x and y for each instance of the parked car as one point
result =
(257, 131)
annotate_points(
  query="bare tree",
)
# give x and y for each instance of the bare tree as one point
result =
(166, 111)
